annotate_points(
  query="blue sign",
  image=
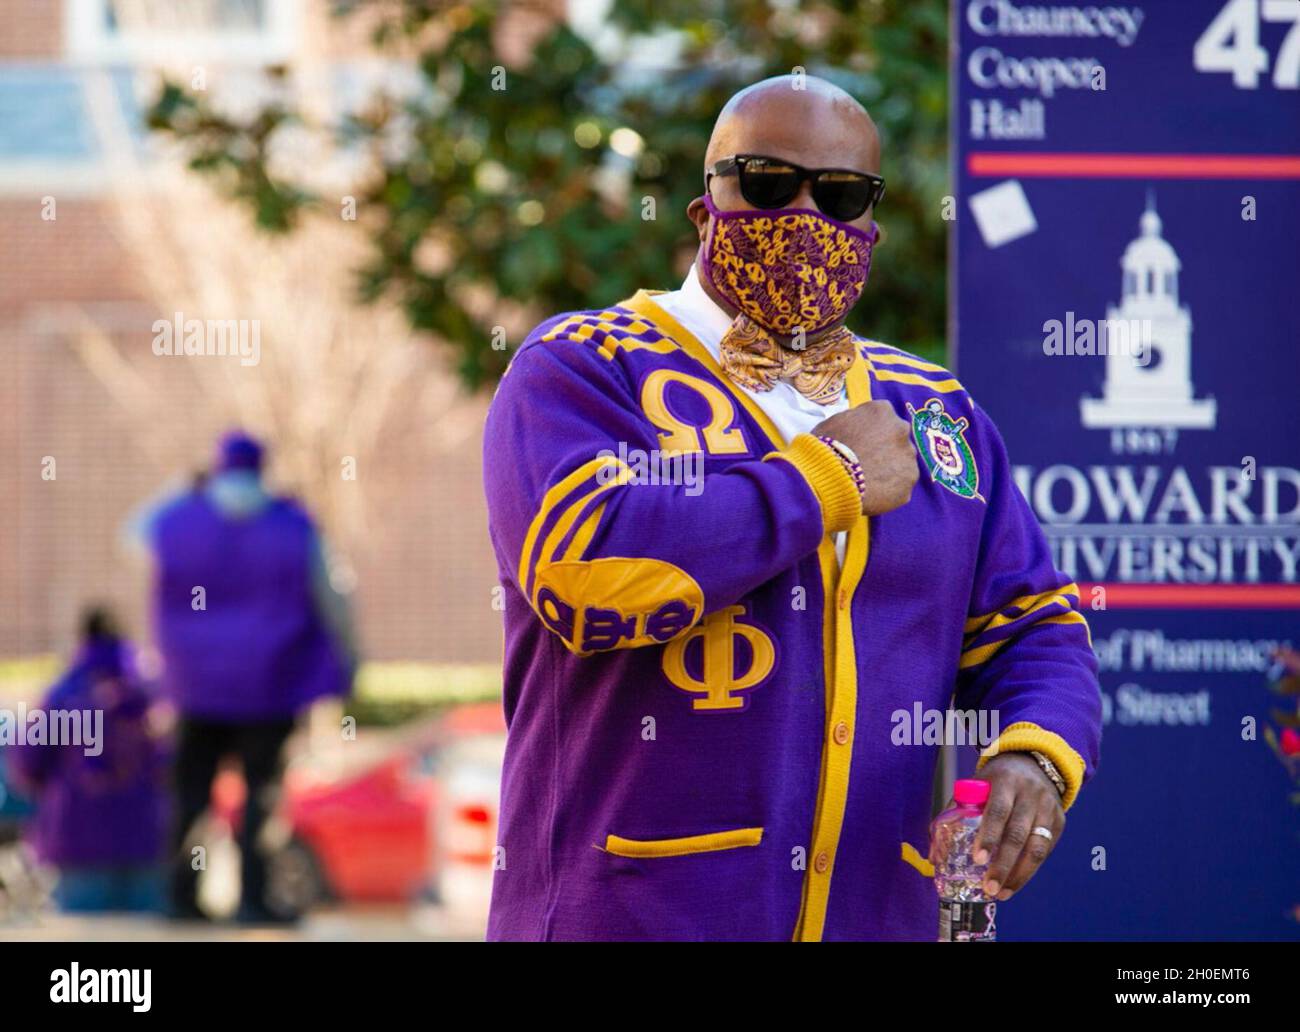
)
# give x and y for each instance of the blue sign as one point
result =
(1124, 303)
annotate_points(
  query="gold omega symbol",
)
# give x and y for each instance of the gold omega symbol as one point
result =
(677, 436)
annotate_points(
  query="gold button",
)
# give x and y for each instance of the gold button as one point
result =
(844, 598)
(822, 862)
(841, 733)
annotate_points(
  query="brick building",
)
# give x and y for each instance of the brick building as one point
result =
(424, 572)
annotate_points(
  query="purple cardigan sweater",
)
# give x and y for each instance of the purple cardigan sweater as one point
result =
(704, 708)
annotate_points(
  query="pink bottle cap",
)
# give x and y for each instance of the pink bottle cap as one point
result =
(970, 792)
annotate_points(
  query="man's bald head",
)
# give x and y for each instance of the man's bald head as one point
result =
(801, 118)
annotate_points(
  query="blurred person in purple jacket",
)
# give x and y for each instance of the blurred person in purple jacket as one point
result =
(251, 633)
(102, 800)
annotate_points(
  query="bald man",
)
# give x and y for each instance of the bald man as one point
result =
(749, 561)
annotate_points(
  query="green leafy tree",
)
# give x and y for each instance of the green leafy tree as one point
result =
(539, 193)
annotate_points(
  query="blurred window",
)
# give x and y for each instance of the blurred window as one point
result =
(164, 31)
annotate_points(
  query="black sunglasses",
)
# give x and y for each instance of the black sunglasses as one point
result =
(765, 182)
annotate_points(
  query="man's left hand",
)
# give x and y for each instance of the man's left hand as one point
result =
(1021, 798)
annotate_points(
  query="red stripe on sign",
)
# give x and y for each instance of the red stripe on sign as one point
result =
(1137, 166)
(1195, 596)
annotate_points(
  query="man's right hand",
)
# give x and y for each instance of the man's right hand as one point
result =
(883, 444)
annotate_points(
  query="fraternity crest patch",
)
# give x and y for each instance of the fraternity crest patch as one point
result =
(941, 440)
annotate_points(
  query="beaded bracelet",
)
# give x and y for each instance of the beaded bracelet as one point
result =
(849, 459)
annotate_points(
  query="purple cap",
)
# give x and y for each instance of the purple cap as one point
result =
(237, 450)
(970, 792)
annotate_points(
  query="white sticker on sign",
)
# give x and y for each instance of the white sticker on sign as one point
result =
(1003, 213)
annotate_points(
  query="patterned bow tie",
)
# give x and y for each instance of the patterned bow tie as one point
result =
(754, 359)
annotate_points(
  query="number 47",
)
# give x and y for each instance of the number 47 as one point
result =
(1230, 43)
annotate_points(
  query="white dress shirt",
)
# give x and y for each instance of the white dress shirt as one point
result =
(790, 411)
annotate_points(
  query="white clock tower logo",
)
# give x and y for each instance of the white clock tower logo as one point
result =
(1155, 388)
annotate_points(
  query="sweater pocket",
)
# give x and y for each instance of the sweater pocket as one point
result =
(912, 855)
(710, 843)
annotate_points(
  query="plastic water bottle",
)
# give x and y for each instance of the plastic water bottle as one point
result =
(966, 912)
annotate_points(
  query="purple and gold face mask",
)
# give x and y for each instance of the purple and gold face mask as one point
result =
(787, 269)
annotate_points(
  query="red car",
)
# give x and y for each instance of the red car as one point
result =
(399, 815)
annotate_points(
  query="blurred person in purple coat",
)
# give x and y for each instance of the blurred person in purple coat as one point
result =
(101, 797)
(251, 632)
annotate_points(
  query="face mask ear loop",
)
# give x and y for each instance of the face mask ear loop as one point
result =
(712, 209)
(706, 244)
